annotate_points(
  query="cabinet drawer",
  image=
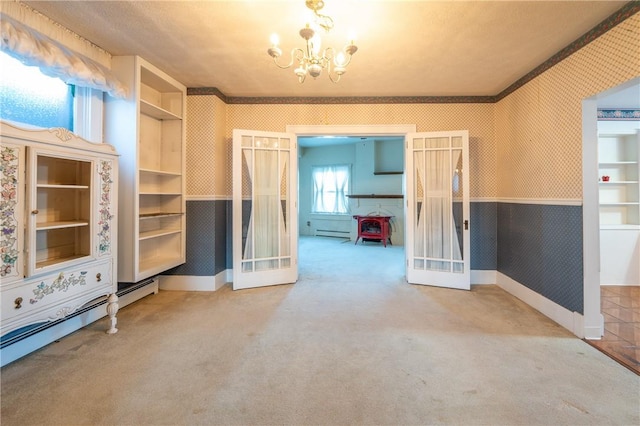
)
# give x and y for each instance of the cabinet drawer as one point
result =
(54, 296)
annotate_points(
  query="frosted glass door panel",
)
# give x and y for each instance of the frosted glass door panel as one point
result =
(437, 210)
(264, 196)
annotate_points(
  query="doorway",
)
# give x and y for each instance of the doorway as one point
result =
(435, 250)
(604, 319)
(325, 146)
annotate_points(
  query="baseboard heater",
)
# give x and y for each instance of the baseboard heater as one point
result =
(332, 233)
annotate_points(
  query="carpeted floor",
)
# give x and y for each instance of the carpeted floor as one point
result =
(350, 343)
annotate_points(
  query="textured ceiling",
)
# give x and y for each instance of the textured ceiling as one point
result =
(406, 48)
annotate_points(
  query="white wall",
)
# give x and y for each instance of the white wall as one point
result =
(321, 156)
(361, 157)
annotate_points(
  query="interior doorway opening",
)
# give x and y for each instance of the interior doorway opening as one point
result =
(356, 146)
(611, 227)
(625, 95)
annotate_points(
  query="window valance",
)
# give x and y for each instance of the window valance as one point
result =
(56, 60)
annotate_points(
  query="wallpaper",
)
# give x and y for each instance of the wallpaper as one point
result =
(526, 146)
(539, 126)
(207, 153)
(477, 118)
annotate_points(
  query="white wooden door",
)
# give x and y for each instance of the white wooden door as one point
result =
(437, 209)
(265, 216)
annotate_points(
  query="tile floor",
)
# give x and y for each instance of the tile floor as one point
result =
(621, 311)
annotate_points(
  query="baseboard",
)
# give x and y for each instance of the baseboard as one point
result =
(572, 321)
(193, 283)
(136, 292)
(479, 277)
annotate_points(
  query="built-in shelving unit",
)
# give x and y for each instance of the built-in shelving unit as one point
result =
(148, 129)
(619, 195)
(619, 190)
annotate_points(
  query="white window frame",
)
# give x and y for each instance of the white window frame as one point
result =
(313, 190)
(88, 114)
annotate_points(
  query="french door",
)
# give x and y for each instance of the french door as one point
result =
(437, 209)
(265, 217)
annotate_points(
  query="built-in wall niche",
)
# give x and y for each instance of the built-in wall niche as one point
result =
(618, 166)
(388, 156)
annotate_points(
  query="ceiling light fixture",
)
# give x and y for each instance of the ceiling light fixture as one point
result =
(311, 60)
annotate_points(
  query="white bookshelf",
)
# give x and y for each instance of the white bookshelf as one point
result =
(619, 196)
(148, 129)
(619, 189)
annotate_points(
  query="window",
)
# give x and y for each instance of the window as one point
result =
(330, 189)
(28, 96)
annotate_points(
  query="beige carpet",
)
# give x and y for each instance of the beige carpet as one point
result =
(350, 343)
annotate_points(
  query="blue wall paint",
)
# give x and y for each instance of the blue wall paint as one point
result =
(540, 246)
(209, 244)
(206, 239)
(484, 239)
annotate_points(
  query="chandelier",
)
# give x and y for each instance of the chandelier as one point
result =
(311, 60)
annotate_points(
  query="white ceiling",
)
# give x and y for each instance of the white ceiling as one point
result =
(406, 48)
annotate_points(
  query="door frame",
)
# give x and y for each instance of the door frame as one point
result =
(593, 320)
(352, 130)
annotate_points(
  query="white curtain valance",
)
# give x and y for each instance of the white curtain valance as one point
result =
(56, 60)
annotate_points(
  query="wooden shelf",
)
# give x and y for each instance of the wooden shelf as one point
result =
(161, 193)
(158, 233)
(159, 264)
(55, 261)
(620, 203)
(43, 226)
(617, 163)
(151, 110)
(154, 215)
(619, 182)
(48, 186)
(160, 172)
(376, 196)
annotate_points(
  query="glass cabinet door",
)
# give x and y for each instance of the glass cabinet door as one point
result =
(59, 211)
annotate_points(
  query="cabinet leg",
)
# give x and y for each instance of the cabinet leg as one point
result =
(112, 310)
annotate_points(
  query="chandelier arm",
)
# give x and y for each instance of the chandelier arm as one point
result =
(296, 54)
(330, 55)
(329, 73)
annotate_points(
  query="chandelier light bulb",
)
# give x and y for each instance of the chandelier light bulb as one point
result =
(316, 42)
(351, 36)
(340, 60)
(275, 40)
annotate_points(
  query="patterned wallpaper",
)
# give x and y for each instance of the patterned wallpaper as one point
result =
(477, 118)
(207, 155)
(527, 145)
(539, 126)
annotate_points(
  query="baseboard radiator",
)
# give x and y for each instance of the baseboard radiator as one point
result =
(332, 233)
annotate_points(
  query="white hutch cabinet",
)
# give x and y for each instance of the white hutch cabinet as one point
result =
(58, 242)
(148, 130)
